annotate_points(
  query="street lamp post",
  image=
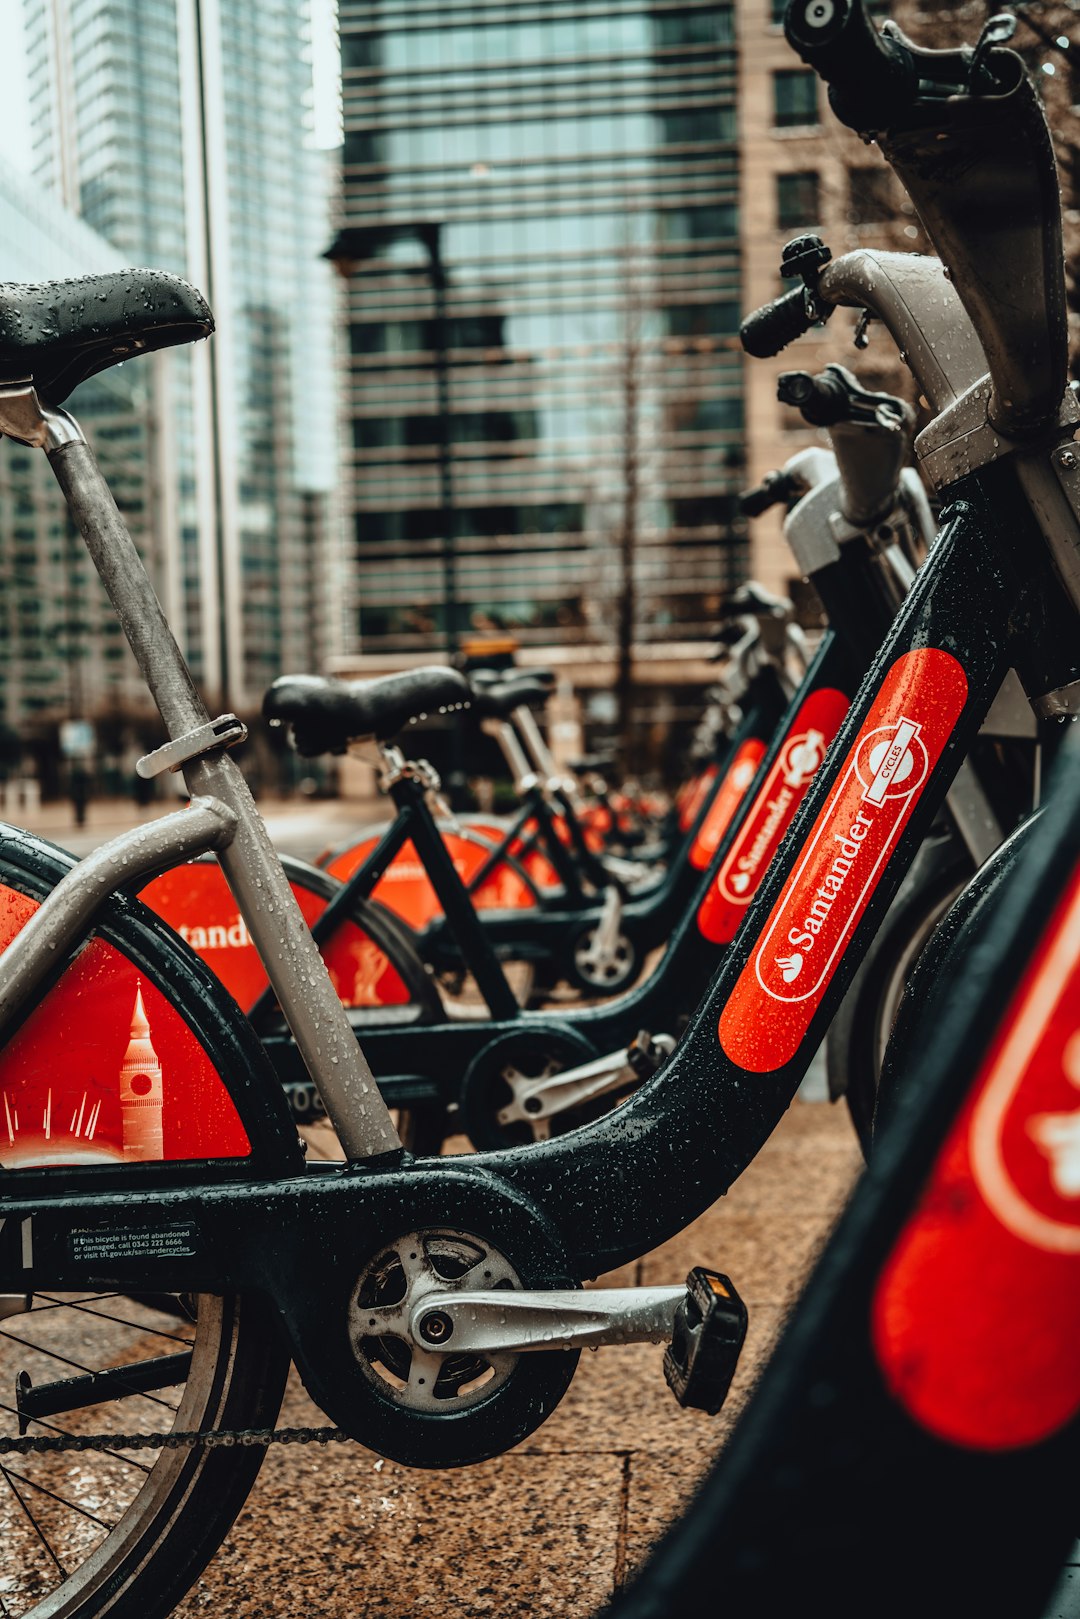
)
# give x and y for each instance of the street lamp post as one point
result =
(353, 245)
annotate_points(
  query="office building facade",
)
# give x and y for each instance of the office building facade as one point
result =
(178, 129)
(579, 163)
(62, 654)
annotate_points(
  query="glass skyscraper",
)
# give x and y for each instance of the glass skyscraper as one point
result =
(581, 165)
(62, 653)
(178, 129)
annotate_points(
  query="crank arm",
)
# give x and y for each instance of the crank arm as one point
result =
(704, 1325)
(550, 1094)
(606, 937)
(493, 1322)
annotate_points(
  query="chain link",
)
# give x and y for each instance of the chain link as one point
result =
(33, 1444)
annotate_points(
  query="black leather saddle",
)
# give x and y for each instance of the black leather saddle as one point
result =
(497, 699)
(326, 715)
(61, 332)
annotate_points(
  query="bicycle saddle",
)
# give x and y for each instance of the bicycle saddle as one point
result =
(497, 700)
(326, 715)
(500, 677)
(61, 332)
(592, 762)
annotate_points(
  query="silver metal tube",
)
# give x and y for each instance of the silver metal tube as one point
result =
(533, 738)
(295, 968)
(512, 752)
(911, 296)
(517, 1322)
(65, 915)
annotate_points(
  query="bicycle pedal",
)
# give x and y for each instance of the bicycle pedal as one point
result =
(643, 1055)
(709, 1332)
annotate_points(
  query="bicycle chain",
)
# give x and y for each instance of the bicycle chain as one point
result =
(31, 1444)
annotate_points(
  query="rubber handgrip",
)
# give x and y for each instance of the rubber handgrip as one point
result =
(773, 326)
(776, 489)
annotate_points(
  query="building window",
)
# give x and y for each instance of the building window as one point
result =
(700, 320)
(364, 146)
(797, 200)
(689, 128)
(700, 27)
(870, 199)
(699, 224)
(794, 98)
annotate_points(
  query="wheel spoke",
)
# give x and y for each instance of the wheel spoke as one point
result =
(6, 1472)
(52, 1427)
(424, 1370)
(80, 1366)
(72, 1506)
(144, 1328)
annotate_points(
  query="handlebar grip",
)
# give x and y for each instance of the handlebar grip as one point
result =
(871, 76)
(773, 326)
(821, 402)
(776, 488)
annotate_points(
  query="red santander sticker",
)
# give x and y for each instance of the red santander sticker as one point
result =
(976, 1316)
(842, 862)
(740, 774)
(811, 732)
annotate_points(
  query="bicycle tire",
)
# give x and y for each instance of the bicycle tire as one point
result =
(859, 1034)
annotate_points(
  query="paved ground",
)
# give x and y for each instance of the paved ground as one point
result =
(556, 1525)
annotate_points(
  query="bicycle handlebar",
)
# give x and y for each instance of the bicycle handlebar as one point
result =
(966, 135)
(871, 78)
(775, 489)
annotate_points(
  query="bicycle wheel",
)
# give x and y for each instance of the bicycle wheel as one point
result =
(127, 1532)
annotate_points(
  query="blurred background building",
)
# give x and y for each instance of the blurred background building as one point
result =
(61, 647)
(180, 131)
(581, 163)
(548, 221)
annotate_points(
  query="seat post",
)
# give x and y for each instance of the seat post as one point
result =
(254, 873)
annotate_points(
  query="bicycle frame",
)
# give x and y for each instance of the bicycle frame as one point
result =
(603, 1210)
(989, 598)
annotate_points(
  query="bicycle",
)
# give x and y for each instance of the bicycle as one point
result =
(452, 1371)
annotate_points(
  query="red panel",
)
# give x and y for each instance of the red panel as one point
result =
(846, 854)
(773, 811)
(976, 1318)
(740, 773)
(406, 890)
(692, 796)
(197, 902)
(105, 1071)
